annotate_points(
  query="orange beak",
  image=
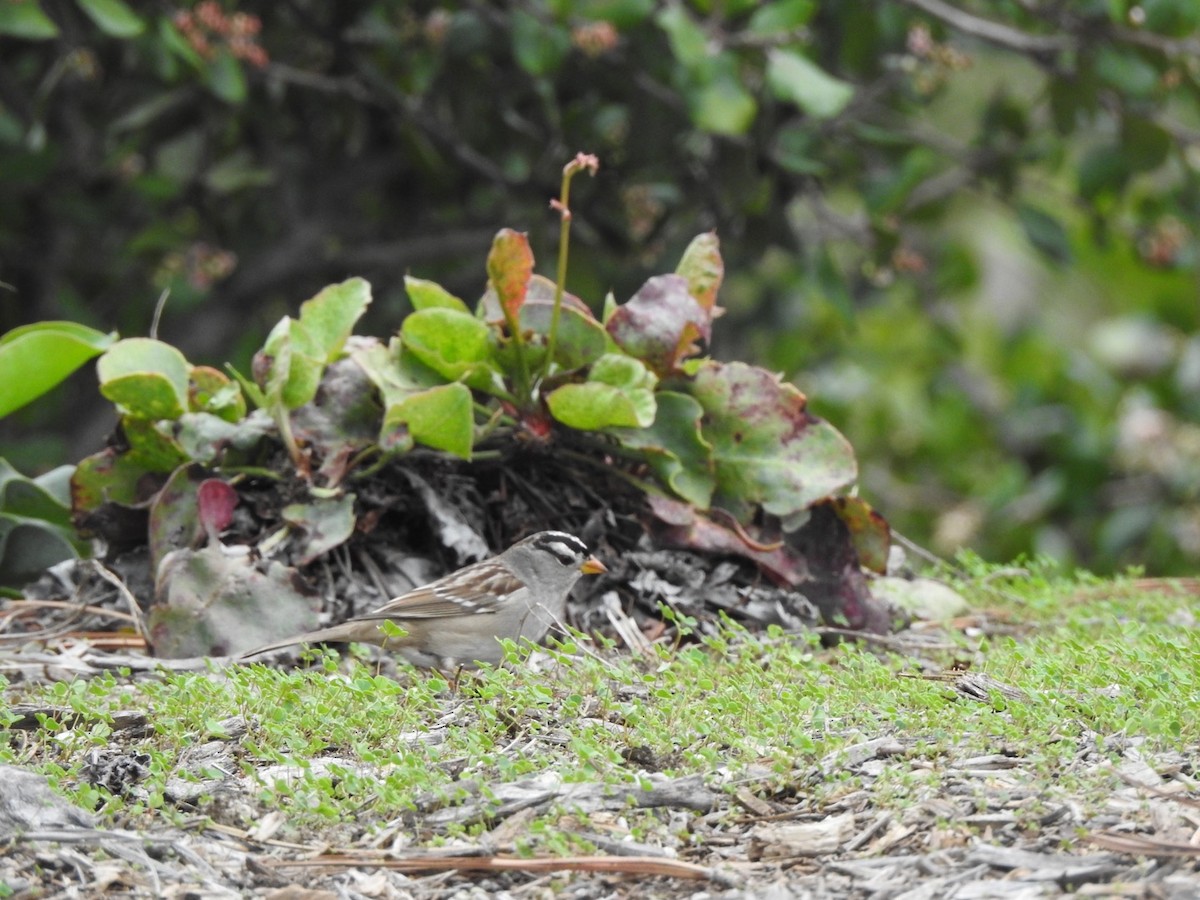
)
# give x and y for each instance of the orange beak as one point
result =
(593, 566)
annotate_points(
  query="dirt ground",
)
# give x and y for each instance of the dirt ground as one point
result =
(988, 826)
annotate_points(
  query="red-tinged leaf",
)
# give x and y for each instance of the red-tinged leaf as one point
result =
(818, 560)
(539, 292)
(109, 477)
(836, 583)
(216, 501)
(688, 528)
(509, 268)
(704, 270)
(174, 522)
(868, 530)
(671, 511)
(768, 450)
(661, 323)
(109, 496)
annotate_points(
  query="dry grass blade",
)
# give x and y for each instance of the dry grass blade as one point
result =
(1136, 845)
(1156, 791)
(974, 685)
(130, 601)
(620, 865)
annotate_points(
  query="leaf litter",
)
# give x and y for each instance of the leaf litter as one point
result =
(713, 493)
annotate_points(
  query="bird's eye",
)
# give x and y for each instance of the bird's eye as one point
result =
(568, 556)
(568, 550)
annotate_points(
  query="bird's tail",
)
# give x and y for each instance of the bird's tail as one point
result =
(321, 636)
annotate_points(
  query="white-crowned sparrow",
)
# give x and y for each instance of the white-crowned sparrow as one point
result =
(461, 617)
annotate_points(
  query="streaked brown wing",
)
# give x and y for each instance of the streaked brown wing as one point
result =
(466, 592)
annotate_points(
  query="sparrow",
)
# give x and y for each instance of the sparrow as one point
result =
(461, 618)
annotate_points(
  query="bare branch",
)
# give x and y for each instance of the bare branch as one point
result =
(1168, 46)
(992, 32)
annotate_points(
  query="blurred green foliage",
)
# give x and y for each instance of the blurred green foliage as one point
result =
(965, 229)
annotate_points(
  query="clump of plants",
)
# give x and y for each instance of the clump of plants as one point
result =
(723, 457)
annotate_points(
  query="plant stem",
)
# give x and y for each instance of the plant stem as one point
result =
(578, 164)
(251, 472)
(283, 421)
(646, 487)
(523, 386)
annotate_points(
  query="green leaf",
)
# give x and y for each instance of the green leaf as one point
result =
(621, 13)
(622, 371)
(1103, 170)
(796, 79)
(57, 484)
(30, 546)
(236, 172)
(677, 453)
(703, 268)
(767, 448)
(273, 363)
(151, 447)
(723, 107)
(329, 317)
(441, 417)
(394, 372)
(780, 17)
(688, 41)
(290, 364)
(179, 159)
(35, 358)
(1173, 17)
(889, 193)
(225, 77)
(252, 391)
(204, 436)
(452, 343)
(146, 112)
(30, 498)
(212, 391)
(797, 148)
(618, 394)
(173, 41)
(539, 47)
(145, 378)
(1045, 233)
(25, 19)
(424, 294)
(592, 406)
(113, 17)
(1147, 144)
(1126, 70)
(581, 339)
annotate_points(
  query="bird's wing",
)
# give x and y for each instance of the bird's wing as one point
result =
(458, 594)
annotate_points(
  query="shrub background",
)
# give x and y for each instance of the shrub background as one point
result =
(965, 231)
